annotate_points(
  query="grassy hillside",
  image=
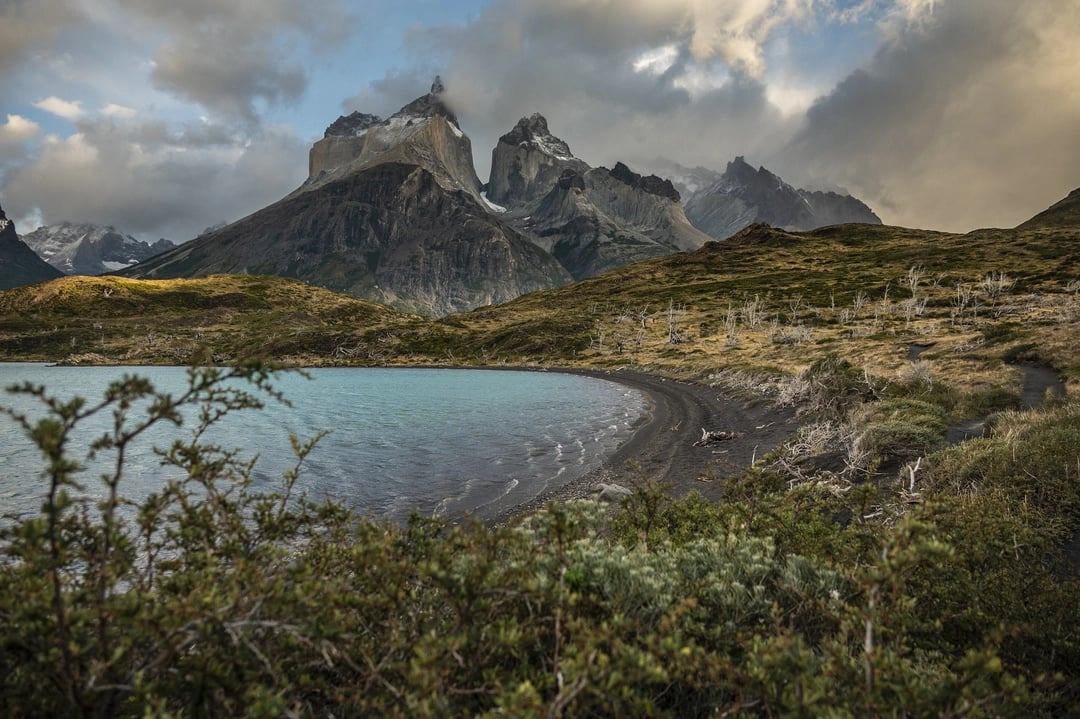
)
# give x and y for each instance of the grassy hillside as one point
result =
(99, 320)
(768, 300)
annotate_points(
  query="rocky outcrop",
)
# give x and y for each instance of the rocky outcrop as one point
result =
(389, 233)
(19, 265)
(652, 184)
(527, 162)
(85, 249)
(722, 204)
(424, 133)
(832, 208)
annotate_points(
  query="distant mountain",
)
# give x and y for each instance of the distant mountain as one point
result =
(19, 265)
(85, 249)
(392, 212)
(590, 219)
(1065, 213)
(721, 204)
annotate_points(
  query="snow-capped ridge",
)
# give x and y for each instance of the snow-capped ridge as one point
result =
(87, 249)
(532, 133)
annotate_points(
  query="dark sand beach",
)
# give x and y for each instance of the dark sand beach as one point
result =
(663, 448)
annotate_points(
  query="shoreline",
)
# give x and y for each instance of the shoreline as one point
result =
(662, 447)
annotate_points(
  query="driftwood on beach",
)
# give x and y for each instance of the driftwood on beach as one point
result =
(708, 438)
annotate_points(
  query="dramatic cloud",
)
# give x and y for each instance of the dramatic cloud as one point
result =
(148, 180)
(969, 118)
(628, 80)
(14, 133)
(967, 113)
(230, 57)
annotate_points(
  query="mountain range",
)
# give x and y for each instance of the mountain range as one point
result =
(721, 204)
(393, 211)
(85, 249)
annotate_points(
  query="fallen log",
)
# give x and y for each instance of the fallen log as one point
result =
(708, 438)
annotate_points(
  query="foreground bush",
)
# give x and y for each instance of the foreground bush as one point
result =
(211, 599)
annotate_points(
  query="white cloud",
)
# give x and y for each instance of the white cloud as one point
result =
(656, 61)
(69, 110)
(17, 129)
(121, 112)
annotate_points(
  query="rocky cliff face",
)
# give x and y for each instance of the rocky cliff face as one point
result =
(19, 265)
(85, 249)
(527, 162)
(424, 133)
(603, 219)
(722, 204)
(590, 219)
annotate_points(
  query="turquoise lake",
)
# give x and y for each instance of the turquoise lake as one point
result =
(440, 442)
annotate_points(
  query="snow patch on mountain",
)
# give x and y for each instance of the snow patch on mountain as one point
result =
(491, 205)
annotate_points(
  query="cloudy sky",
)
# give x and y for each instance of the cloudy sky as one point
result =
(163, 117)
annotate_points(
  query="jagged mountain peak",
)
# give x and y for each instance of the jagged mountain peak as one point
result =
(527, 163)
(532, 133)
(424, 133)
(358, 123)
(352, 125)
(7, 227)
(430, 105)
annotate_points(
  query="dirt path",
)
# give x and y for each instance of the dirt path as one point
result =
(663, 448)
(1038, 381)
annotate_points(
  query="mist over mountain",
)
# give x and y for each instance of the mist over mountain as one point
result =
(721, 204)
(87, 249)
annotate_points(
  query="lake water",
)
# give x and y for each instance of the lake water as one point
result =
(445, 442)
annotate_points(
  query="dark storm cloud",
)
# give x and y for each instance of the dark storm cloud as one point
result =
(971, 119)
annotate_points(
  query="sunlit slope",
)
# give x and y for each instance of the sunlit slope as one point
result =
(111, 319)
